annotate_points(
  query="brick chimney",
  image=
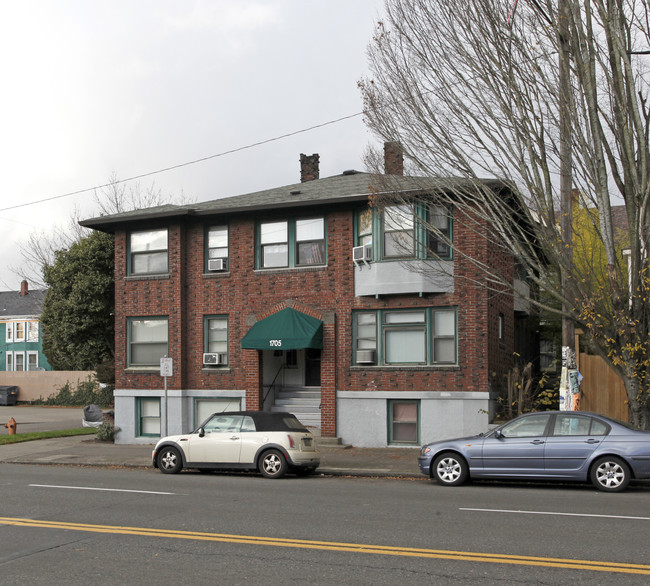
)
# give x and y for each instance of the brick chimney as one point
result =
(309, 167)
(393, 158)
(24, 288)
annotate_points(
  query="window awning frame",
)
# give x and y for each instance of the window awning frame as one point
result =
(287, 329)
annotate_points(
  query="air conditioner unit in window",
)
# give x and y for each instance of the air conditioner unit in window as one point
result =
(217, 264)
(211, 359)
(361, 254)
(365, 356)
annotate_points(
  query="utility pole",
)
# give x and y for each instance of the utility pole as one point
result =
(566, 182)
(566, 197)
(566, 179)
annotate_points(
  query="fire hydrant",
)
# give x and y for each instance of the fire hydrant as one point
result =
(11, 426)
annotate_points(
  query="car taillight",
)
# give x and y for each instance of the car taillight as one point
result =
(292, 444)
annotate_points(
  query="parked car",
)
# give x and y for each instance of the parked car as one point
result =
(560, 445)
(273, 443)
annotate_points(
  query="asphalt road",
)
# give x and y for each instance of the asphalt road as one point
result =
(77, 525)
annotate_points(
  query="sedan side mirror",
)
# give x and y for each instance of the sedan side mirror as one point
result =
(201, 432)
(498, 434)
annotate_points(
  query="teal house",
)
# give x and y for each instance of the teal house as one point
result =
(21, 346)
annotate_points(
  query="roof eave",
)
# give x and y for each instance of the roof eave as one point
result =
(105, 224)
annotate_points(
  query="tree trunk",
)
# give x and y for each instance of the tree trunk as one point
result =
(639, 407)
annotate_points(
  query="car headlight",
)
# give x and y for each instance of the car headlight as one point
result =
(425, 450)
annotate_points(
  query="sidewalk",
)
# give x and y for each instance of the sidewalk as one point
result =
(87, 451)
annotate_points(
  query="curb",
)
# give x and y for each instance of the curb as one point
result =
(338, 472)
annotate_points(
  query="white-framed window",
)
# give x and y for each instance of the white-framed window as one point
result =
(148, 341)
(217, 246)
(422, 336)
(148, 252)
(32, 328)
(19, 361)
(148, 416)
(9, 332)
(32, 360)
(9, 361)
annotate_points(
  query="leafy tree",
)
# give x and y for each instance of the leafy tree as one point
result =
(77, 318)
(473, 90)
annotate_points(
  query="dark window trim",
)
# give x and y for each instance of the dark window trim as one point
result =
(129, 321)
(206, 319)
(291, 243)
(139, 416)
(429, 328)
(130, 254)
(421, 235)
(206, 251)
(391, 421)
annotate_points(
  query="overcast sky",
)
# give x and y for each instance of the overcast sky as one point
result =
(91, 89)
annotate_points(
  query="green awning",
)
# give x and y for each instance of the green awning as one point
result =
(285, 330)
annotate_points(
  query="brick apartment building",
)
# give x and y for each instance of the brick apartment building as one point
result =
(301, 298)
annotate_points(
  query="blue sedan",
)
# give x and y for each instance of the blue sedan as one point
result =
(551, 445)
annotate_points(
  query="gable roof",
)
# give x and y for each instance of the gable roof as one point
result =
(351, 186)
(13, 304)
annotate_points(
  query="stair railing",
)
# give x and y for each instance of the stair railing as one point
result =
(272, 385)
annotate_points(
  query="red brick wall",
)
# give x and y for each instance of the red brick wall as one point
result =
(246, 296)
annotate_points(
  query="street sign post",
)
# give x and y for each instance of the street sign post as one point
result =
(166, 369)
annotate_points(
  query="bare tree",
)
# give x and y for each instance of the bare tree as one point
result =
(116, 197)
(470, 88)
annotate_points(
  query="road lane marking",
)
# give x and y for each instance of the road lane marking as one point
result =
(613, 567)
(557, 513)
(101, 489)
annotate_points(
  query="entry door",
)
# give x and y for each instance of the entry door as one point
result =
(312, 367)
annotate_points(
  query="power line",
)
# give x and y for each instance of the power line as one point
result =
(186, 164)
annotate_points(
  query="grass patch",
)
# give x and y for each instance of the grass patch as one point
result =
(28, 437)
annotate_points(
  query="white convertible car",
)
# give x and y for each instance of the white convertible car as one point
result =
(273, 443)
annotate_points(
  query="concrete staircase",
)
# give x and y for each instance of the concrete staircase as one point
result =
(303, 402)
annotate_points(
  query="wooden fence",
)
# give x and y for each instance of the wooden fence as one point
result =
(602, 390)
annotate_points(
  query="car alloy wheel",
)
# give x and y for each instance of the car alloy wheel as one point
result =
(450, 469)
(272, 464)
(610, 474)
(169, 460)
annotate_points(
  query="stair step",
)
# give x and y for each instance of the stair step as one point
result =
(293, 401)
(296, 409)
(298, 394)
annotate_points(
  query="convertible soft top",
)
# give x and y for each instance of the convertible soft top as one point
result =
(271, 421)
